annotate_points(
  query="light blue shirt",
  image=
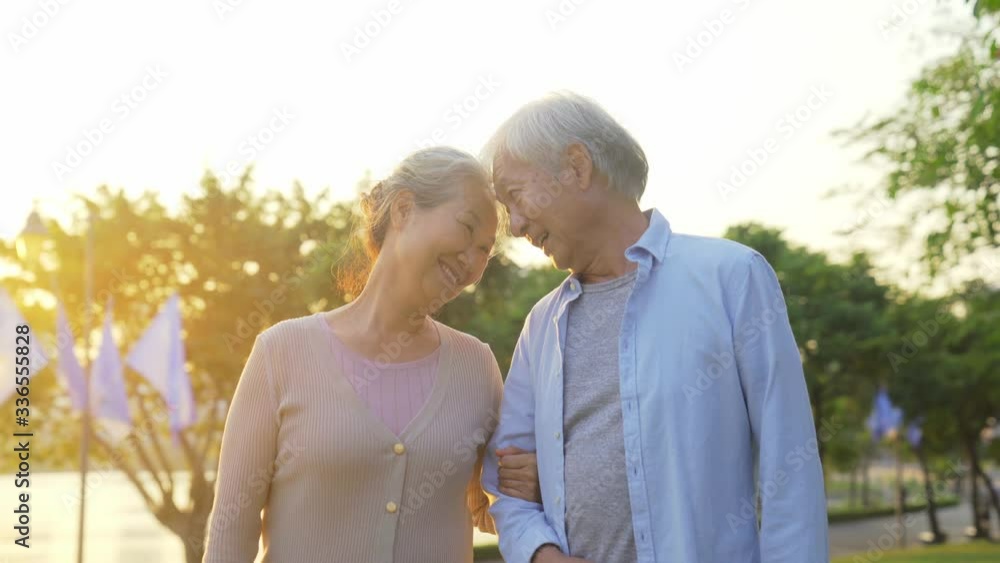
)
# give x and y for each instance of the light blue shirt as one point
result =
(711, 382)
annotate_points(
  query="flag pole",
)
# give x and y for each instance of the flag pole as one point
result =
(87, 313)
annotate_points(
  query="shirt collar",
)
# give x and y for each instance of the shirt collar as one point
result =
(653, 242)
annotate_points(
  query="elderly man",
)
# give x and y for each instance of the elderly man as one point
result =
(660, 383)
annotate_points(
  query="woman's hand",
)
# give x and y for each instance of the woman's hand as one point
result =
(519, 474)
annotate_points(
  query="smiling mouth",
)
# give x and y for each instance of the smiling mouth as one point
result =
(449, 274)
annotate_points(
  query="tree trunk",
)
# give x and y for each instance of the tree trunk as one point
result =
(937, 535)
(866, 500)
(853, 488)
(977, 523)
(194, 542)
(900, 490)
(978, 470)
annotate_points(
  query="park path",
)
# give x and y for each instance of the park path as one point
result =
(849, 538)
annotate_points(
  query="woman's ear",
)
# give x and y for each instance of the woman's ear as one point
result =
(401, 209)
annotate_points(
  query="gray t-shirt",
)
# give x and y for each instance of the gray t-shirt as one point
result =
(598, 512)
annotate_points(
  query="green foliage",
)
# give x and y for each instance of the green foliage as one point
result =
(943, 144)
(837, 313)
(241, 260)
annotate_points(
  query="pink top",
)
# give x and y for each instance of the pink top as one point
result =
(394, 392)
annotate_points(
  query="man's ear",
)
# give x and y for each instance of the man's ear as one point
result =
(579, 165)
(401, 209)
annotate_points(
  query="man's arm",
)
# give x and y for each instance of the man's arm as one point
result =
(521, 524)
(793, 519)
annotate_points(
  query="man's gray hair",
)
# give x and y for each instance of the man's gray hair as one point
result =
(540, 132)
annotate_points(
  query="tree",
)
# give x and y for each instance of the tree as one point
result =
(241, 262)
(837, 313)
(942, 143)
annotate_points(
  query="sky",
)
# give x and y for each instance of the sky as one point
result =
(148, 96)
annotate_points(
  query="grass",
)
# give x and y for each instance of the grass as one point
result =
(842, 514)
(979, 552)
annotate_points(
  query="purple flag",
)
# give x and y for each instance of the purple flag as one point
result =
(69, 366)
(159, 356)
(884, 417)
(108, 398)
(12, 364)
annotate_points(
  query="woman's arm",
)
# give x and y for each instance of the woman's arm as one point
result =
(246, 463)
(477, 499)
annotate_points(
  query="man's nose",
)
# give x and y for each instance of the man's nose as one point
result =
(518, 224)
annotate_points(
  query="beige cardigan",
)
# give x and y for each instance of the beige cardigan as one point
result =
(334, 483)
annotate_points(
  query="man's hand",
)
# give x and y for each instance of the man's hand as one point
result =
(549, 553)
(519, 474)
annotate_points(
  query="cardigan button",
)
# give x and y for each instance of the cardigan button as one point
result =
(391, 507)
(400, 449)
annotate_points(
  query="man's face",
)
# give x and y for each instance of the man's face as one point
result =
(543, 208)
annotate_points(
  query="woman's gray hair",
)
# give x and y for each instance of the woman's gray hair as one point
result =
(433, 175)
(540, 132)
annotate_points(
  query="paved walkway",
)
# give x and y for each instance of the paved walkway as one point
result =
(848, 538)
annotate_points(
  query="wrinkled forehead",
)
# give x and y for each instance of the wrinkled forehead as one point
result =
(508, 170)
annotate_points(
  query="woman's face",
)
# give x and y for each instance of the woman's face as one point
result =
(444, 249)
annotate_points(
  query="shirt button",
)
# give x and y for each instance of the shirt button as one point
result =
(400, 449)
(558, 500)
(558, 435)
(391, 507)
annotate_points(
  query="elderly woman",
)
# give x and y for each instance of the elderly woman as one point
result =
(358, 432)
